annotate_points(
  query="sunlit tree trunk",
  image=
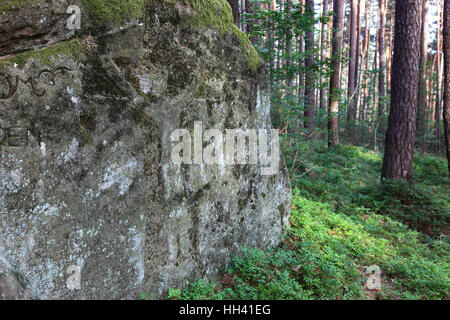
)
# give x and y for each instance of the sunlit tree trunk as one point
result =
(374, 119)
(335, 80)
(422, 106)
(324, 53)
(390, 47)
(366, 56)
(382, 66)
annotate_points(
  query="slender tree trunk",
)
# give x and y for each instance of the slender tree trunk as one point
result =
(290, 78)
(351, 77)
(382, 66)
(375, 96)
(399, 149)
(301, 75)
(335, 80)
(437, 110)
(309, 76)
(272, 38)
(389, 57)
(422, 93)
(243, 24)
(323, 55)
(234, 4)
(358, 44)
(279, 43)
(366, 56)
(430, 82)
(447, 78)
(358, 66)
(250, 8)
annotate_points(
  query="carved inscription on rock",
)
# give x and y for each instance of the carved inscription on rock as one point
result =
(16, 137)
(10, 83)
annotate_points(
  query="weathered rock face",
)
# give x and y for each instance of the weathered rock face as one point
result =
(87, 184)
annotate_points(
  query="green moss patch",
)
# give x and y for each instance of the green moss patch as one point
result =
(115, 11)
(73, 48)
(217, 14)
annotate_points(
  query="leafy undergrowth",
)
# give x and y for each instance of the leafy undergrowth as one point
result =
(343, 221)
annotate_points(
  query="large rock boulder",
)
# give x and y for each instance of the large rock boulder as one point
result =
(91, 203)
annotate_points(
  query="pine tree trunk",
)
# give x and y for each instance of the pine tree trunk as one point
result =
(351, 77)
(399, 149)
(301, 75)
(272, 39)
(374, 84)
(250, 8)
(422, 106)
(389, 50)
(323, 54)
(366, 55)
(234, 4)
(309, 76)
(290, 79)
(437, 110)
(357, 67)
(335, 80)
(447, 78)
(382, 66)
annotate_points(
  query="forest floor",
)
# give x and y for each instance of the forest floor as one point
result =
(343, 220)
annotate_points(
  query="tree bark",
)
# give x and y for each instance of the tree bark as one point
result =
(437, 107)
(289, 74)
(382, 66)
(447, 78)
(352, 65)
(323, 54)
(272, 38)
(234, 4)
(389, 49)
(399, 149)
(250, 8)
(366, 58)
(335, 80)
(422, 106)
(358, 67)
(309, 76)
(374, 88)
(301, 74)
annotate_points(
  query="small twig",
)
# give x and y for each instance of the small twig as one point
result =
(304, 173)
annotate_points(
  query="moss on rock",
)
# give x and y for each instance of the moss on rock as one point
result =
(73, 48)
(218, 14)
(117, 11)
